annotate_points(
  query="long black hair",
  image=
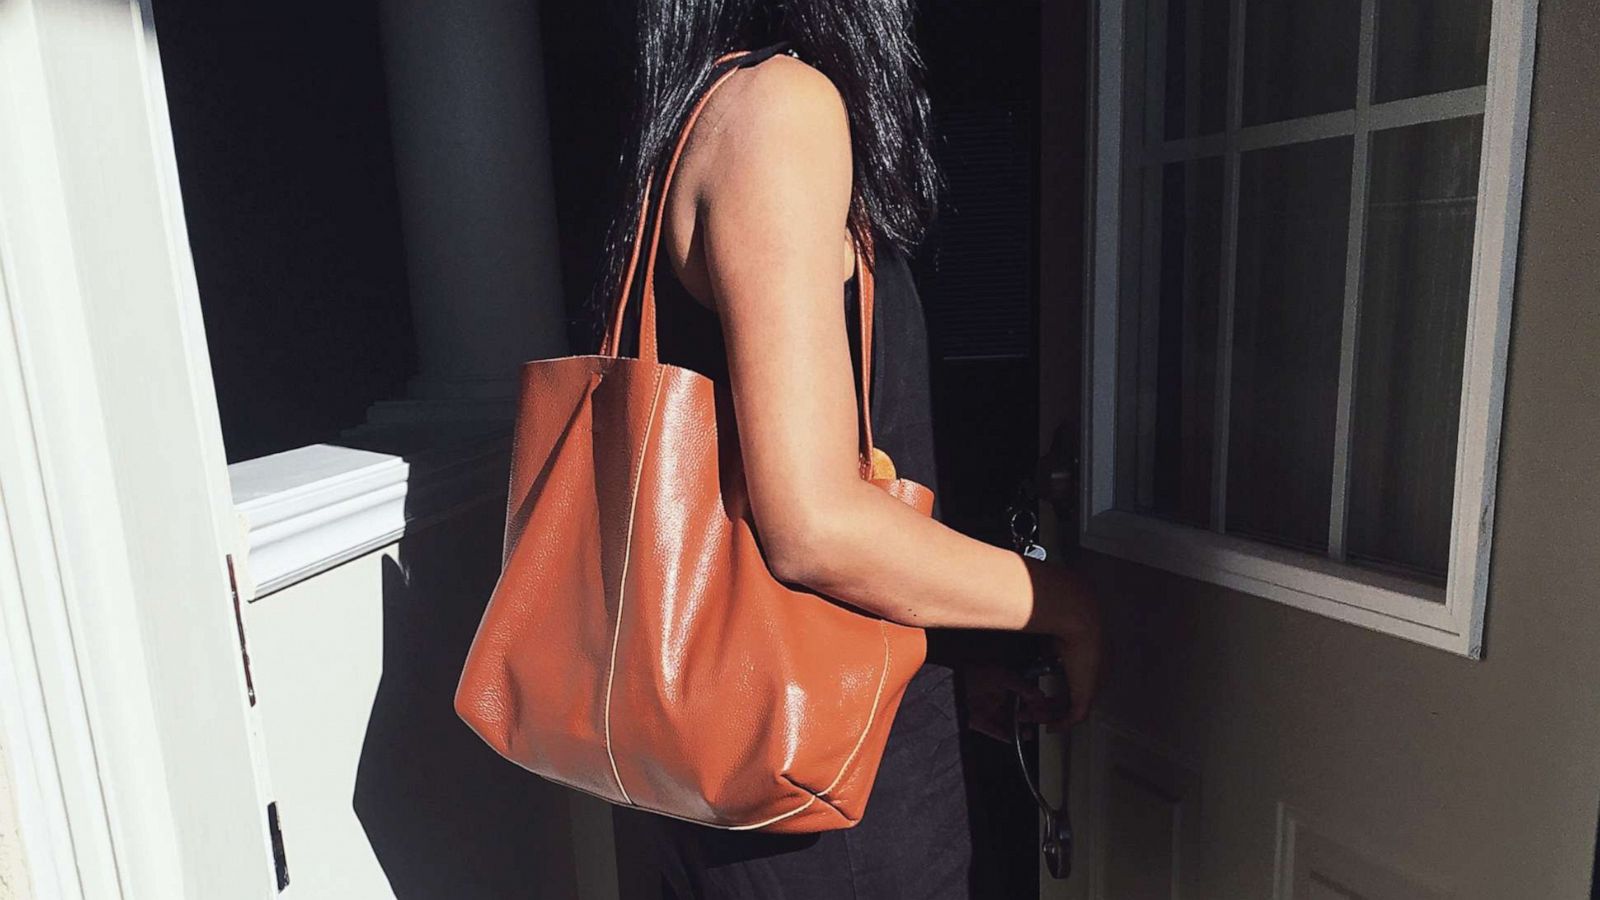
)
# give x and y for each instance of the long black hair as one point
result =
(866, 49)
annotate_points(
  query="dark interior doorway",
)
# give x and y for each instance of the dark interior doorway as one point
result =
(977, 275)
(282, 135)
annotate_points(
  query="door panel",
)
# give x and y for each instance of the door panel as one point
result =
(1145, 807)
(1314, 866)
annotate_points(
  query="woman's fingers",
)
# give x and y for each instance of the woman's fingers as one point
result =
(989, 724)
(993, 691)
(1046, 710)
(1080, 661)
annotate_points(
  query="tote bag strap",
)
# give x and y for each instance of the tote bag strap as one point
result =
(611, 345)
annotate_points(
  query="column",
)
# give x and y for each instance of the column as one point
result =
(471, 137)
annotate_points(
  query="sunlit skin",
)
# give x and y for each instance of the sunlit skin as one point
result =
(756, 231)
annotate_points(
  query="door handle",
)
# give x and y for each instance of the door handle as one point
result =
(1054, 481)
(1056, 842)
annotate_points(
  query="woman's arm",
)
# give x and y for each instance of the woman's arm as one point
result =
(772, 213)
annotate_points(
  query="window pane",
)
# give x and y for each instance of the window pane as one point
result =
(1418, 265)
(1196, 66)
(1177, 364)
(1428, 46)
(1294, 206)
(1299, 58)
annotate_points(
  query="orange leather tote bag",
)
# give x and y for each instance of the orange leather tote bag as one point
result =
(636, 646)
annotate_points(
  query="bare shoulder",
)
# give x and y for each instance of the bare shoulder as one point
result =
(781, 106)
(795, 88)
(769, 156)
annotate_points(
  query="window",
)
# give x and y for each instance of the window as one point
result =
(1304, 218)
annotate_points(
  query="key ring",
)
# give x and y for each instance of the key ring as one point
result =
(1024, 524)
(1056, 845)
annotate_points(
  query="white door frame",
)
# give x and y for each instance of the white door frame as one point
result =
(126, 714)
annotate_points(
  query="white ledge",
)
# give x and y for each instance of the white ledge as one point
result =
(311, 508)
(307, 510)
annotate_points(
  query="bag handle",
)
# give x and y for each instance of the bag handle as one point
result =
(611, 345)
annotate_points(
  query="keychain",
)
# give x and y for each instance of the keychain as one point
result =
(1024, 529)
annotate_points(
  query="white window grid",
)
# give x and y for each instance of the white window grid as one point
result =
(1452, 617)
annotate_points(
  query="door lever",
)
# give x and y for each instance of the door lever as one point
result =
(1057, 477)
(1056, 845)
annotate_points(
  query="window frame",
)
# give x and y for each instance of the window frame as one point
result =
(1449, 618)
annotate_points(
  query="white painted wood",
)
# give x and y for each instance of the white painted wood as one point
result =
(1102, 268)
(42, 716)
(1499, 214)
(1354, 256)
(132, 693)
(1150, 188)
(1468, 101)
(1313, 865)
(1160, 852)
(1452, 620)
(14, 881)
(306, 510)
(1228, 270)
(354, 667)
(317, 654)
(1372, 600)
(309, 509)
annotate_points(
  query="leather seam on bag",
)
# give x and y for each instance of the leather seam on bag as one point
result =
(622, 581)
(872, 714)
(814, 796)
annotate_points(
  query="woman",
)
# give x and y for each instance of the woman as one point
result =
(818, 143)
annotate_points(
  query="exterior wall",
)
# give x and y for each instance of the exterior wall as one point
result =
(316, 656)
(381, 791)
(1470, 779)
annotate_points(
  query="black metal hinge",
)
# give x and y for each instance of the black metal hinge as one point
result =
(280, 861)
(238, 621)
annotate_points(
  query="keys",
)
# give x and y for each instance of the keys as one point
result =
(1024, 530)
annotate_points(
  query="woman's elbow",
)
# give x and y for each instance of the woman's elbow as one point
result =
(800, 547)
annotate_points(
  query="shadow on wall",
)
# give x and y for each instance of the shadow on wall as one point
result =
(445, 816)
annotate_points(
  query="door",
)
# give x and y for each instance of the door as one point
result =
(128, 709)
(1245, 746)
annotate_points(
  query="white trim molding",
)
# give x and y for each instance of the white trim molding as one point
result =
(306, 510)
(309, 509)
(1450, 618)
(1308, 854)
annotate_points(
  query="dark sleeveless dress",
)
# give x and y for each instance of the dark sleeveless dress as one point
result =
(914, 840)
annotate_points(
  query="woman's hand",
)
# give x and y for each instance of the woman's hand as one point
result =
(990, 690)
(1071, 616)
(1082, 655)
